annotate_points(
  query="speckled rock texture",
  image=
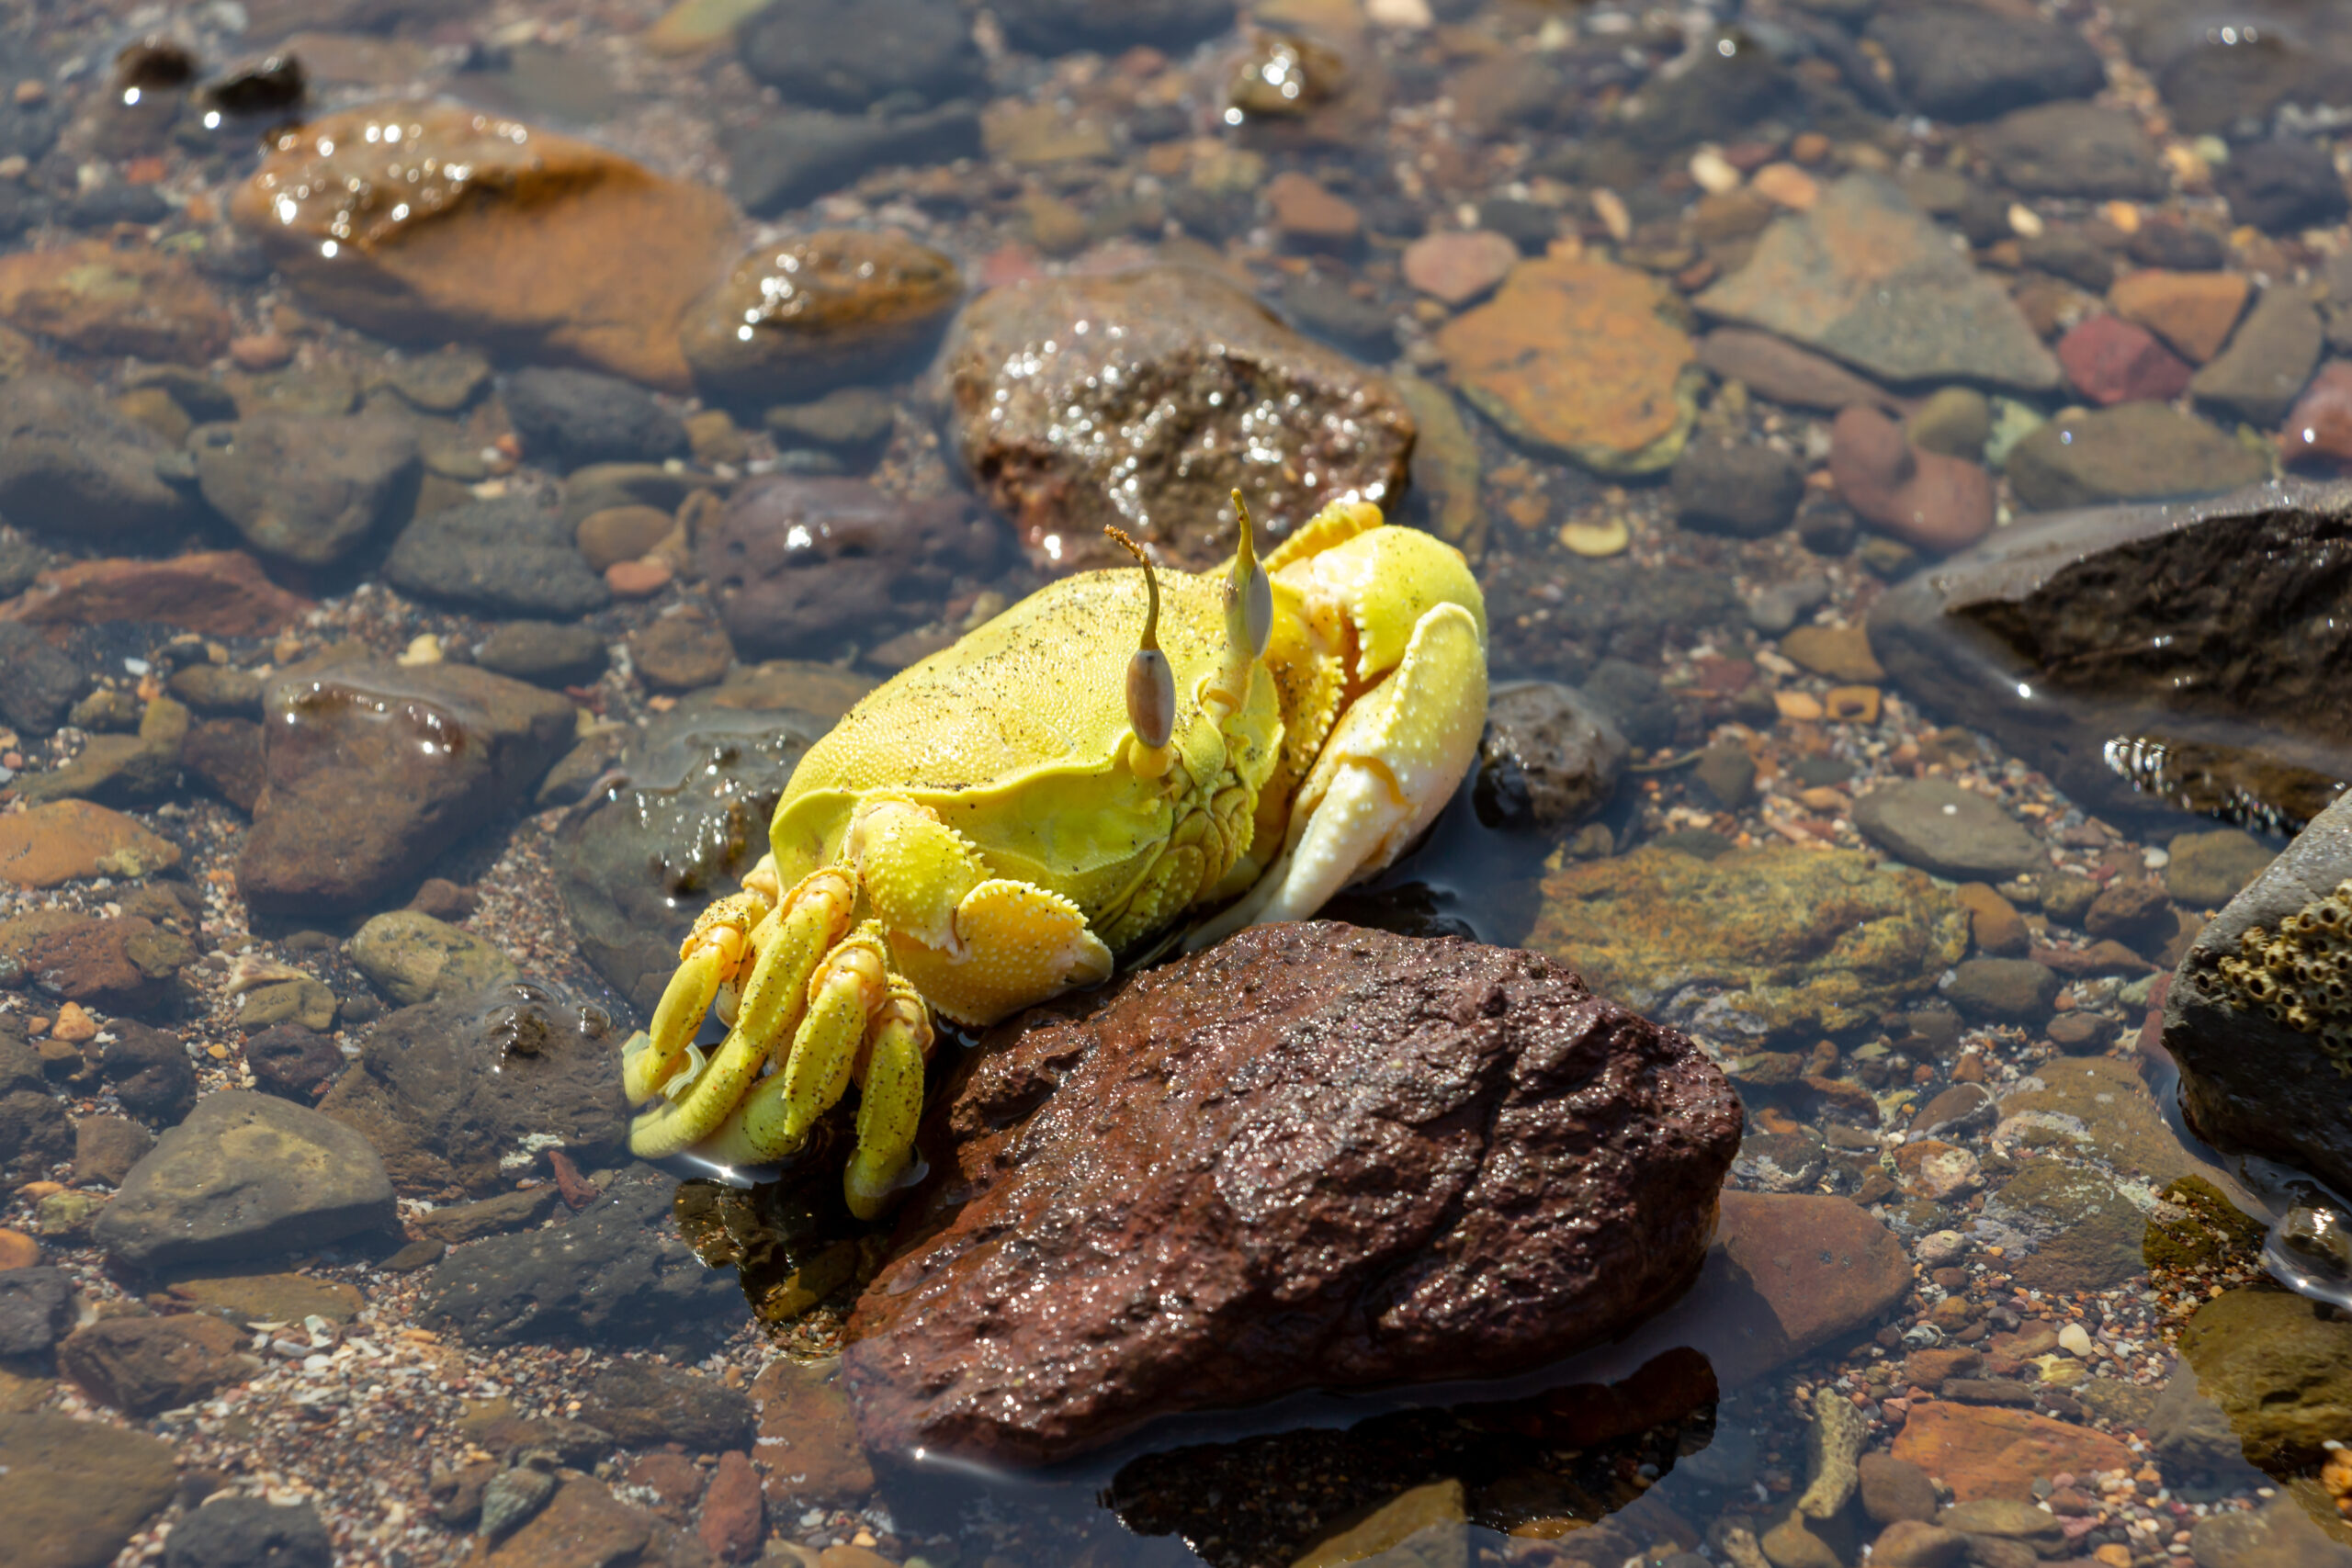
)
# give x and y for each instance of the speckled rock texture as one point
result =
(1312, 1157)
(2247, 1082)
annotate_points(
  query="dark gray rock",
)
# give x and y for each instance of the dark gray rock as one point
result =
(645, 1403)
(1961, 62)
(36, 1305)
(35, 1133)
(459, 1094)
(1321, 306)
(106, 1147)
(21, 561)
(546, 653)
(800, 566)
(1057, 26)
(246, 1176)
(2250, 1081)
(72, 466)
(150, 1071)
(509, 556)
(849, 54)
(2199, 632)
(784, 160)
(2005, 990)
(292, 1062)
(1744, 490)
(247, 1532)
(2270, 358)
(2282, 186)
(691, 820)
(39, 685)
(568, 418)
(615, 1275)
(1941, 828)
(1549, 758)
(306, 487)
(2077, 150)
(2136, 451)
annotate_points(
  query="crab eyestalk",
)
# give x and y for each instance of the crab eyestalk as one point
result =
(1151, 683)
(1249, 617)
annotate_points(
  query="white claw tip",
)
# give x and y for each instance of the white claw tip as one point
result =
(684, 1079)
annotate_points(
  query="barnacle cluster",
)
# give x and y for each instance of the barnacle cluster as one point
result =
(2301, 974)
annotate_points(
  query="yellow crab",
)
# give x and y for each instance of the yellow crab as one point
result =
(989, 827)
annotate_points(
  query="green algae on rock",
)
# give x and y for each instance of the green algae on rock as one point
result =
(2280, 1369)
(1755, 944)
(1582, 357)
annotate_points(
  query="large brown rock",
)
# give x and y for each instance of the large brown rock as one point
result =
(122, 963)
(216, 592)
(374, 770)
(2180, 647)
(96, 299)
(1313, 1156)
(72, 1492)
(141, 1365)
(799, 315)
(1140, 399)
(429, 222)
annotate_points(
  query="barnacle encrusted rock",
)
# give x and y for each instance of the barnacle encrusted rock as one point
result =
(2259, 1015)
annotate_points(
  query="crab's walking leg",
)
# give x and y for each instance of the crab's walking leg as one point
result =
(807, 925)
(890, 1102)
(1390, 767)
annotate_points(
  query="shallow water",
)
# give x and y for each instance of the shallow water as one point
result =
(1758, 354)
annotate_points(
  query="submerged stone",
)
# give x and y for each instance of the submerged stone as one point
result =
(1334, 1157)
(802, 314)
(1754, 944)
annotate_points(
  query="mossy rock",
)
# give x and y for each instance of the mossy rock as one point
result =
(2198, 1226)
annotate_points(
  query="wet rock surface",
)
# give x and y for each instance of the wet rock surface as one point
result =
(246, 1176)
(2158, 624)
(691, 820)
(373, 770)
(1178, 365)
(215, 592)
(303, 488)
(800, 566)
(573, 417)
(489, 231)
(507, 556)
(1549, 757)
(2249, 1080)
(803, 314)
(458, 1095)
(615, 1274)
(1517, 1037)
(1752, 945)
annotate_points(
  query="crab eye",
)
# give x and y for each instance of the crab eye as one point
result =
(1151, 696)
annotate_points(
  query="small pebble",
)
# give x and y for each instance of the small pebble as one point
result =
(74, 1024)
(638, 579)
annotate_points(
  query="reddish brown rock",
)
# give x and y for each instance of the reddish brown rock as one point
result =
(675, 1482)
(1923, 498)
(1179, 389)
(808, 1441)
(372, 770)
(437, 222)
(68, 840)
(1309, 215)
(213, 592)
(120, 964)
(800, 566)
(225, 755)
(1986, 1452)
(2111, 360)
(2319, 428)
(1787, 374)
(94, 298)
(1330, 1157)
(141, 1365)
(1458, 266)
(734, 1521)
(2191, 311)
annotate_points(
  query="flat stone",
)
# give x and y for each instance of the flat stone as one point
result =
(2194, 311)
(645, 1403)
(2111, 360)
(74, 467)
(1842, 653)
(2207, 869)
(73, 1492)
(1867, 277)
(582, 1524)
(2094, 1107)
(72, 840)
(847, 54)
(615, 1275)
(2085, 1235)
(2132, 452)
(2282, 185)
(1941, 828)
(40, 684)
(124, 965)
(2075, 150)
(36, 1307)
(1581, 357)
(106, 1147)
(454, 1225)
(271, 1298)
(1983, 1451)
(1308, 215)
(1776, 368)
(305, 488)
(1183, 375)
(240, 1533)
(808, 1442)
(94, 298)
(373, 770)
(485, 230)
(546, 653)
(412, 958)
(1958, 62)
(2008, 990)
(1458, 266)
(2269, 360)
(214, 592)
(2280, 1369)
(461, 1094)
(141, 1365)
(1754, 944)
(784, 159)
(508, 556)
(246, 1176)
(682, 651)
(931, 1364)
(571, 418)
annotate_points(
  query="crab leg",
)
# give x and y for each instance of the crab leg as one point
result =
(807, 925)
(1385, 773)
(890, 1102)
